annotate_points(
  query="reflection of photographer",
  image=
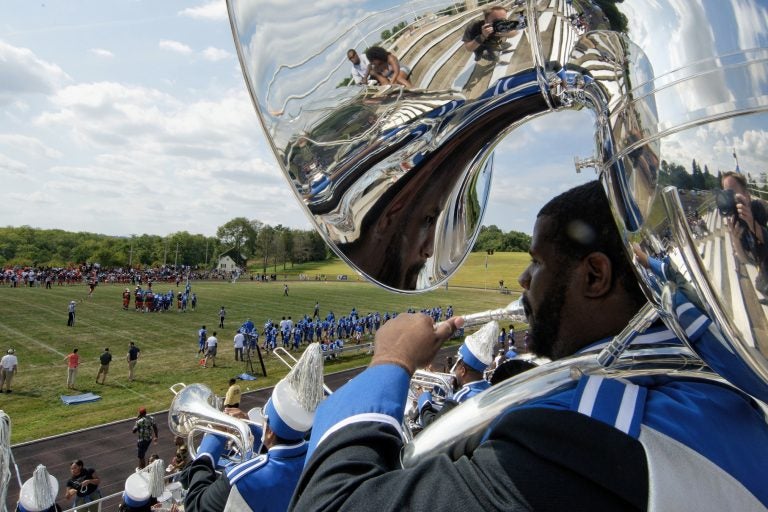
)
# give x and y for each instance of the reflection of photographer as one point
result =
(485, 37)
(747, 220)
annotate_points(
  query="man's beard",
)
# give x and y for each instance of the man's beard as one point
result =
(546, 321)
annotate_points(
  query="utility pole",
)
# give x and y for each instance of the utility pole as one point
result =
(176, 259)
(165, 251)
(206, 252)
(130, 254)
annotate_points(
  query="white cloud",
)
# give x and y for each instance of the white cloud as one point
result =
(101, 52)
(175, 46)
(215, 10)
(24, 72)
(29, 145)
(9, 165)
(36, 197)
(215, 54)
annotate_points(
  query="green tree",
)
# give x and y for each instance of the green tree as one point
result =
(237, 233)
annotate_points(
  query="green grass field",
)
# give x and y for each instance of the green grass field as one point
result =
(473, 273)
(34, 323)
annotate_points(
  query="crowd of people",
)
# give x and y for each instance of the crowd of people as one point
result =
(330, 331)
(29, 276)
(145, 300)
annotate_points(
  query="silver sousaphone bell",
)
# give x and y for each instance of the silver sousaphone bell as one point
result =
(397, 179)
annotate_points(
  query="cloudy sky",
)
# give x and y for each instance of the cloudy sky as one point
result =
(133, 117)
(129, 117)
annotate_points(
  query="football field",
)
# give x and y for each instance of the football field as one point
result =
(34, 323)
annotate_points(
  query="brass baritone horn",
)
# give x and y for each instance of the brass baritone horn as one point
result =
(192, 411)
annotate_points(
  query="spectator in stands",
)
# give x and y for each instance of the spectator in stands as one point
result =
(180, 460)
(385, 68)
(360, 66)
(83, 486)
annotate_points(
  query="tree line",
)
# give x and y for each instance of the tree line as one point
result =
(491, 238)
(28, 246)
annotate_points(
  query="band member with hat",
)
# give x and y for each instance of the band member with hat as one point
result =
(38, 494)
(474, 357)
(267, 481)
(143, 488)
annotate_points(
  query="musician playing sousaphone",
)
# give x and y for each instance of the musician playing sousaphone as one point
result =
(474, 357)
(658, 442)
(267, 481)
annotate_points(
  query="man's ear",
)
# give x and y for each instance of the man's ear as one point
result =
(598, 273)
(390, 213)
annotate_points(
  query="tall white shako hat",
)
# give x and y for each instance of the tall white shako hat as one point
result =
(144, 484)
(477, 349)
(290, 410)
(38, 494)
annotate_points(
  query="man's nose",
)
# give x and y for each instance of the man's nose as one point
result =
(525, 279)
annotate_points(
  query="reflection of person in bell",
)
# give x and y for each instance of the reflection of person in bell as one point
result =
(397, 233)
(359, 67)
(385, 68)
(482, 38)
(747, 220)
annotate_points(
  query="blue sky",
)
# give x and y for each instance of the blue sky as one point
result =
(133, 117)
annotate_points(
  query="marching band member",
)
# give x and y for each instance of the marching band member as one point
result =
(143, 488)
(475, 355)
(664, 442)
(38, 494)
(265, 482)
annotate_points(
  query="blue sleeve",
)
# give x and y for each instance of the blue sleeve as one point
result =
(212, 447)
(363, 398)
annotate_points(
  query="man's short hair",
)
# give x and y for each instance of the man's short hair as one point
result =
(582, 223)
(740, 179)
(351, 52)
(488, 11)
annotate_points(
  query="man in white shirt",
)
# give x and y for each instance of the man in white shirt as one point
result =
(239, 343)
(359, 67)
(8, 366)
(210, 354)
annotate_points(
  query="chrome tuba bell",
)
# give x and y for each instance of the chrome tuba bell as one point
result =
(398, 179)
(193, 412)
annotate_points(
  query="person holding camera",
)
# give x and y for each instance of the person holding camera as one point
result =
(747, 221)
(485, 37)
